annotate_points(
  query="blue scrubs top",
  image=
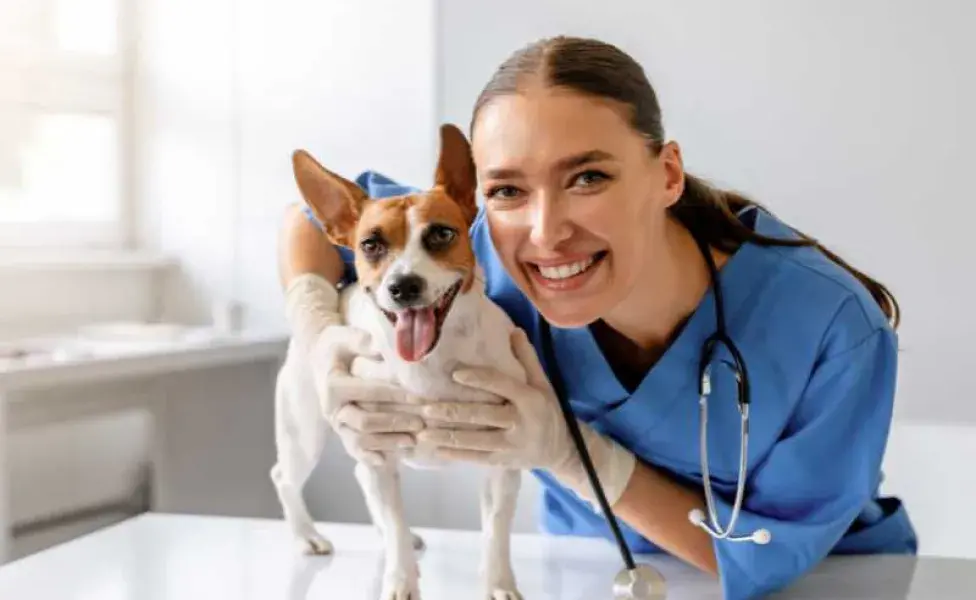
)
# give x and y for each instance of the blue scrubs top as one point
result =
(821, 360)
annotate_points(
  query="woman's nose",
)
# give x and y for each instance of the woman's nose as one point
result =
(550, 226)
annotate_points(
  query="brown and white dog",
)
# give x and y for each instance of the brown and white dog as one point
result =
(421, 298)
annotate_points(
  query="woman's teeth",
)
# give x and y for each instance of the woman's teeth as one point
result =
(566, 271)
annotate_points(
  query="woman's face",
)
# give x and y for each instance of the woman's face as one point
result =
(575, 200)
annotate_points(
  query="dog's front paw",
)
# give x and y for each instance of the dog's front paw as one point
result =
(418, 542)
(400, 586)
(502, 587)
(504, 595)
(503, 592)
(312, 543)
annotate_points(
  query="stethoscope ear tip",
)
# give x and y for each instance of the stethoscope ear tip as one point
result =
(759, 536)
(762, 537)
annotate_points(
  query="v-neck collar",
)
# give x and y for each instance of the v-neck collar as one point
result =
(594, 386)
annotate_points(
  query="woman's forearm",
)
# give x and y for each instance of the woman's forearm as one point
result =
(658, 508)
(302, 248)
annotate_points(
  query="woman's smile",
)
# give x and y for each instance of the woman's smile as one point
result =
(566, 274)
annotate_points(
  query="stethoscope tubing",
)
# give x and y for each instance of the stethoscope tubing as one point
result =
(574, 430)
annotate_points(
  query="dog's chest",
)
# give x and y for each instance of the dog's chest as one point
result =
(432, 378)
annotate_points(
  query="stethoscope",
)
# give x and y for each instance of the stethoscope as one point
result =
(644, 582)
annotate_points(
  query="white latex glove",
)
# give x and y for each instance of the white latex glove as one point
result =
(347, 372)
(527, 432)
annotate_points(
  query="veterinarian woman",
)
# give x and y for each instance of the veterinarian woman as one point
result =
(591, 224)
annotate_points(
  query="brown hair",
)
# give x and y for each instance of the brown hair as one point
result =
(602, 70)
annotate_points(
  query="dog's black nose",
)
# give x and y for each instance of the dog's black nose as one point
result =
(407, 289)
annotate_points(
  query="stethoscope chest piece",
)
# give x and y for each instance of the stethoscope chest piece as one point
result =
(644, 582)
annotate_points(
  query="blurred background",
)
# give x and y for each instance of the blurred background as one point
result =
(145, 162)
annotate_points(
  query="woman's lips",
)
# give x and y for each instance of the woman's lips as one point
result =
(565, 274)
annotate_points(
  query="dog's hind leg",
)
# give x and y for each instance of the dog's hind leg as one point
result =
(381, 488)
(499, 499)
(298, 451)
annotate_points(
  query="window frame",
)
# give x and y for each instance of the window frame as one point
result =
(77, 84)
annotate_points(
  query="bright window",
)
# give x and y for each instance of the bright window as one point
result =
(64, 86)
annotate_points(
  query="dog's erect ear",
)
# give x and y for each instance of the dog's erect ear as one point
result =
(456, 171)
(336, 202)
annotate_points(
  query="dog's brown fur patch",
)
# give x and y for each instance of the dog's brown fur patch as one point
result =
(437, 207)
(388, 217)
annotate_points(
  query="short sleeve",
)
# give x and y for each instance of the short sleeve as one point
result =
(819, 476)
(346, 254)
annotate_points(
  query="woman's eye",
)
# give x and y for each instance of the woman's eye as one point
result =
(503, 192)
(590, 178)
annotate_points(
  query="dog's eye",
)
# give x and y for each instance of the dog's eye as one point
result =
(438, 237)
(372, 247)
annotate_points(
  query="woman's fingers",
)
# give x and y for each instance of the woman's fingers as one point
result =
(474, 456)
(467, 393)
(491, 381)
(499, 384)
(529, 358)
(353, 341)
(485, 441)
(375, 442)
(374, 370)
(413, 408)
(351, 388)
(501, 416)
(340, 344)
(363, 421)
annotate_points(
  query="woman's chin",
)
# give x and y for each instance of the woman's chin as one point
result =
(568, 315)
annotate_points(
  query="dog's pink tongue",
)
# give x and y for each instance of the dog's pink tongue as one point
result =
(415, 331)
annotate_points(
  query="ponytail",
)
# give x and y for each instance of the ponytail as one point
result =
(713, 214)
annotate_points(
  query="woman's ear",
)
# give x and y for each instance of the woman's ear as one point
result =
(456, 173)
(673, 168)
(336, 202)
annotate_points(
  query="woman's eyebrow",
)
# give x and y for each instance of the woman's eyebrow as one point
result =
(503, 173)
(583, 158)
(563, 164)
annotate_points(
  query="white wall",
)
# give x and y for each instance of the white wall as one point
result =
(850, 119)
(929, 466)
(183, 153)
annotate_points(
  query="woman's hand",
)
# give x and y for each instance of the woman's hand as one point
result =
(371, 414)
(528, 431)
(346, 371)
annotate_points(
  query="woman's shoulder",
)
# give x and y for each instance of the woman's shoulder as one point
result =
(806, 292)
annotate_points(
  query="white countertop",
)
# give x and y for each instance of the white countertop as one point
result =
(169, 557)
(92, 361)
